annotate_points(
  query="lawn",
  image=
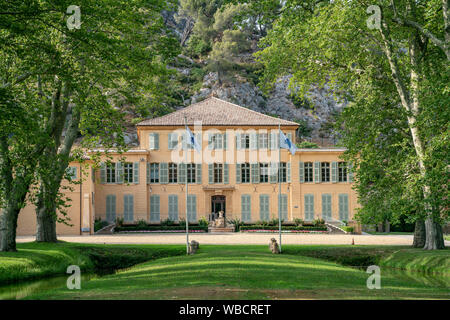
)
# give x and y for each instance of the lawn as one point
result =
(252, 272)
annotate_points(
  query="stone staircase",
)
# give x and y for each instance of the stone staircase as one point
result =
(334, 227)
(218, 230)
(106, 230)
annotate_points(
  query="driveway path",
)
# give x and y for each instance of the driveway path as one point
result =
(238, 238)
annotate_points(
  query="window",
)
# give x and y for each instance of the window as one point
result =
(245, 173)
(173, 140)
(154, 172)
(173, 207)
(111, 173)
(154, 208)
(216, 141)
(190, 169)
(326, 207)
(192, 207)
(342, 171)
(325, 170)
(309, 207)
(128, 172)
(282, 172)
(343, 207)
(245, 141)
(282, 202)
(154, 141)
(263, 172)
(110, 208)
(218, 172)
(263, 141)
(246, 207)
(128, 207)
(72, 172)
(308, 172)
(264, 207)
(173, 178)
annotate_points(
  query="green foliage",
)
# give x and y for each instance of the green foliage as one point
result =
(298, 222)
(167, 222)
(318, 222)
(348, 229)
(237, 223)
(119, 222)
(203, 222)
(196, 47)
(274, 228)
(137, 228)
(307, 145)
(99, 224)
(142, 223)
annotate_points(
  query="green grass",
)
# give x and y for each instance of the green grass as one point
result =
(252, 272)
(389, 233)
(37, 260)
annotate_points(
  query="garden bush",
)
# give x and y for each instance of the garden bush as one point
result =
(295, 228)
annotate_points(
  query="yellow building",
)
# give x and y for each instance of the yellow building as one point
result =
(235, 171)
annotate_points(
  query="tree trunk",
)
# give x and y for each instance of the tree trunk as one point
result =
(419, 234)
(46, 225)
(434, 235)
(8, 225)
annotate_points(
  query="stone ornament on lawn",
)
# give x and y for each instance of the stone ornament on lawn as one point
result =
(193, 247)
(273, 246)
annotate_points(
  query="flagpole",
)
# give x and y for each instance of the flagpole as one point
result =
(279, 183)
(185, 162)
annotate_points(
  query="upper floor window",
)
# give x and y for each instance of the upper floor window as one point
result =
(342, 171)
(190, 171)
(263, 172)
(308, 172)
(325, 171)
(154, 172)
(282, 172)
(263, 141)
(154, 141)
(173, 140)
(72, 172)
(245, 141)
(111, 173)
(173, 173)
(216, 141)
(245, 172)
(128, 172)
(218, 173)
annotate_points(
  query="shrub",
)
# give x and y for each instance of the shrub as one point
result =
(237, 223)
(203, 222)
(99, 224)
(142, 223)
(119, 222)
(298, 228)
(158, 228)
(298, 222)
(182, 223)
(318, 222)
(307, 145)
(348, 229)
(167, 222)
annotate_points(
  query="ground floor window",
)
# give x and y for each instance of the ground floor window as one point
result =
(173, 207)
(264, 207)
(192, 207)
(282, 202)
(326, 207)
(309, 207)
(343, 207)
(154, 208)
(246, 207)
(128, 207)
(111, 208)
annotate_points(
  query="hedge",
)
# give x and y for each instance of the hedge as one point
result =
(300, 228)
(159, 228)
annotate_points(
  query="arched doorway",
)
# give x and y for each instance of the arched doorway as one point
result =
(217, 205)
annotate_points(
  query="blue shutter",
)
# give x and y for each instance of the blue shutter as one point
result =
(210, 173)
(246, 207)
(182, 173)
(136, 172)
(238, 173)
(326, 207)
(309, 207)
(334, 172)
(350, 173)
(317, 172)
(192, 207)
(173, 207)
(210, 141)
(198, 173)
(226, 179)
(254, 172)
(253, 141)
(282, 203)
(119, 172)
(154, 208)
(301, 171)
(148, 173)
(164, 173)
(288, 172)
(273, 172)
(238, 141)
(156, 135)
(225, 141)
(102, 172)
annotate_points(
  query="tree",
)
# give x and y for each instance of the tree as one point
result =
(331, 43)
(85, 73)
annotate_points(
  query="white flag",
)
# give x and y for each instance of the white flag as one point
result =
(285, 143)
(192, 141)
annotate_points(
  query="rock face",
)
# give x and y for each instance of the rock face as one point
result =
(318, 110)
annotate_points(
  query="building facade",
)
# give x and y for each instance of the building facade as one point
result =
(236, 169)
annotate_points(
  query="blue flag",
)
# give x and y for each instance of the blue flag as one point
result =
(285, 143)
(192, 141)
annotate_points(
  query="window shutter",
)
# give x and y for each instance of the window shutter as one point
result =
(225, 141)
(184, 140)
(301, 171)
(238, 173)
(173, 140)
(210, 142)
(164, 173)
(316, 172)
(273, 173)
(148, 173)
(334, 172)
(226, 178)
(341, 207)
(198, 173)
(103, 172)
(131, 207)
(282, 202)
(253, 141)
(182, 174)
(154, 208)
(246, 207)
(198, 136)
(350, 173)
(238, 141)
(210, 173)
(273, 142)
(136, 172)
(288, 172)
(156, 135)
(173, 207)
(254, 172)
(119, 172)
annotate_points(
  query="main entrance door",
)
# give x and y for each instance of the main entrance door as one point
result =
(217, 205)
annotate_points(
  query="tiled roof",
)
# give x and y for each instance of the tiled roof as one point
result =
(216, 112)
